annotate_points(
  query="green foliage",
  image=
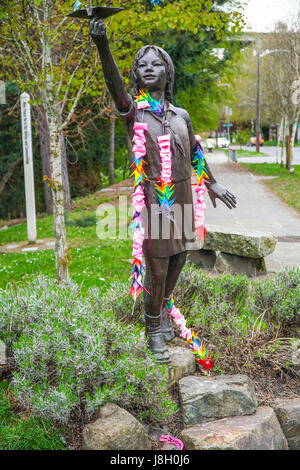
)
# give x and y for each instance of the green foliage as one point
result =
(26, 432)
(207, 299)
(201, 62)
(279, 298)
(71, 357)
(242, 137)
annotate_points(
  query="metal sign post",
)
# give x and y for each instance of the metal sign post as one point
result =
(28, 167)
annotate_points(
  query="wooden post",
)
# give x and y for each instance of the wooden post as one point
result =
(28, 167)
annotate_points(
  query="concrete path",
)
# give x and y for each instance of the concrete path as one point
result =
(270, 156)
(258, 209)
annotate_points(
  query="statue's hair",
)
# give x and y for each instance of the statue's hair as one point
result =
(169, 69)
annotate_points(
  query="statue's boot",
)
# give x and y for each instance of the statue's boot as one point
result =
(167, 329)
(155, 340)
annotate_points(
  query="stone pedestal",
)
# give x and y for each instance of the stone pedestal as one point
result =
(227, 263)
(203, 258)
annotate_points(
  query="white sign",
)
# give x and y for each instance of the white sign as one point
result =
(28, 167)
(228, 111)
(2, 92)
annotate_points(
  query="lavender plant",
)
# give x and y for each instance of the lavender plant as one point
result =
(72, 356)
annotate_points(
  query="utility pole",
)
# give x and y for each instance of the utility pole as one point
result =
(258, 52)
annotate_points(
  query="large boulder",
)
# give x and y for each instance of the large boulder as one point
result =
(115, 429)
(209, 398)
(288, 415)
(242, 243)
(260, 431)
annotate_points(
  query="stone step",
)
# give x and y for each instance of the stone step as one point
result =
(209, 398)
(115, 429)
(288, 415)
(260, 431)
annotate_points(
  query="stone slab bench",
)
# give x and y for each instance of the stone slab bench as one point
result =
(236, 251)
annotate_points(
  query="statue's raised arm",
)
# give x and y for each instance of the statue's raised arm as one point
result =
(111, 72)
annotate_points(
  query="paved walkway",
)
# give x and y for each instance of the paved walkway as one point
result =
(257, 209)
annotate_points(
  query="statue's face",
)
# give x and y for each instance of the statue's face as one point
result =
(151, 72)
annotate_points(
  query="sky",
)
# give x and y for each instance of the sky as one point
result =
(263, 14)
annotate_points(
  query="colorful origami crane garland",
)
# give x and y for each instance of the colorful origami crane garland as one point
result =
(198, 164)
(144, 100)
(165, 186)
(138, 203)
(197, 345)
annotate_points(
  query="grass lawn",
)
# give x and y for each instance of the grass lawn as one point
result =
(23, 431)
(96, 261)
(286, 186)
(247, 153)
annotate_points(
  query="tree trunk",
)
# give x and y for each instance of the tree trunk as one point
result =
(9, 174)
(45, 154)
(293, 135)
(62, 253)
(283, 142)
(278, 136)
(288, 147)
(65, 173)
(111, 163)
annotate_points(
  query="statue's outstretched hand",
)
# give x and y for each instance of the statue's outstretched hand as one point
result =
(216, 190)
(97, 28)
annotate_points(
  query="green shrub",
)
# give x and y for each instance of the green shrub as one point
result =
(197, 288)
(72, 356)
(278, 298)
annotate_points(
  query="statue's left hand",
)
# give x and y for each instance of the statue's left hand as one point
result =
(216, 190)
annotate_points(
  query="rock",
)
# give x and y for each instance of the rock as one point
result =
(3, 358)
(205, 259)
(115, 429)
(167, 446)
(260, 431)
(248, 244)
(155, 433)
(209, 398)
(182, 363)
(239, 264)
(288, 415)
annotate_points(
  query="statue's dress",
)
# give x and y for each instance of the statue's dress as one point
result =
(164, 238)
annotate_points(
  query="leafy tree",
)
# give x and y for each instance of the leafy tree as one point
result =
(49, 54)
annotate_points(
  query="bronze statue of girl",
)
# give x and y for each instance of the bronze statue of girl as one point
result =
(153, 71)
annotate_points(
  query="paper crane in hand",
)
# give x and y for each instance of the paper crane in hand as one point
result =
(93, 12)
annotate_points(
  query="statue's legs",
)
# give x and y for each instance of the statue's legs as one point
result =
(155, 281)
(160, 280)
(176, 264)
